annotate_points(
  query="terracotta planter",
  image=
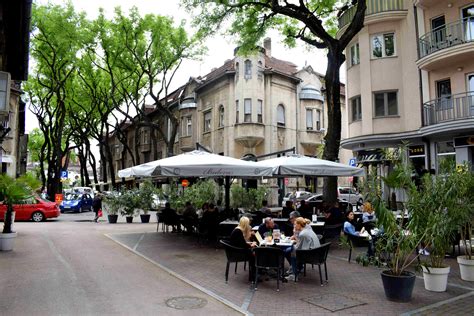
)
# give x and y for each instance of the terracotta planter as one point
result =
(398, 288)
(7, 241)
(466, 267)
(436, 279)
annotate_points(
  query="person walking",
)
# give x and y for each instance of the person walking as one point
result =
(97, 205)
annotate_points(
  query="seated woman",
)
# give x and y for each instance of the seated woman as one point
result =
(350, 229)
(306, 240)
(368, 216)
(240, 237)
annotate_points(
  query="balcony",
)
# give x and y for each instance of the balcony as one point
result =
(452, 41)
(249, 134)
(375, 9)
(448, 109)
(310, 138)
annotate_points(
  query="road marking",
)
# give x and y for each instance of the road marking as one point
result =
(139, 240)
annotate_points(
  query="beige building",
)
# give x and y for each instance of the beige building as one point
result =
(249, 107)
(410, 78)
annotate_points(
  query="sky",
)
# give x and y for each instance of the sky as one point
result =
(220, 48)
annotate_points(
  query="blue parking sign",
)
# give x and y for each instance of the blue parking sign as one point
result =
(352, 162)
(64, 174)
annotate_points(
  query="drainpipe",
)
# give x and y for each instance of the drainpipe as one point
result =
(420, 81)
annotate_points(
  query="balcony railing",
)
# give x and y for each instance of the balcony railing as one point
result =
(452, 108)
(449, 35)
(373, 7)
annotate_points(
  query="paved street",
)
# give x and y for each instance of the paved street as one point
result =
(73, 266)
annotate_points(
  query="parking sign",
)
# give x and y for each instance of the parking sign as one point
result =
(64, 174)
(352, 162)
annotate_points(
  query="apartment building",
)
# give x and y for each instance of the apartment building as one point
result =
(14, 38)
(249, 107)
(410, 79)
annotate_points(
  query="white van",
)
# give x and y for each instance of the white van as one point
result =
(83, 190)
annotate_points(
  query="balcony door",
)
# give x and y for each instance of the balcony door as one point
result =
(470, 92)
(444, 102)
(467, 14)
(438, 27)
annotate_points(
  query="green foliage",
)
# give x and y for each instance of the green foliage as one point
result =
(199, 193)
(146, 193)
(112, 204)
(13, 191)
(130, 202)
(250, 199)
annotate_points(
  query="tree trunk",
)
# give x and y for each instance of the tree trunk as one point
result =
(333, 135)
(7, 226)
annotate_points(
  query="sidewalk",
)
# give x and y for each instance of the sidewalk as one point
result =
(352, 289)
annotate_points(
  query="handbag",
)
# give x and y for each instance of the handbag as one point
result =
(99, 214)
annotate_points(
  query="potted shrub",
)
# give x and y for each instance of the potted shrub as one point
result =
(464, 212)
(112, 205)
(129, 202)
(396, 244)
(13, 191)
(434, 207)
(146, 194)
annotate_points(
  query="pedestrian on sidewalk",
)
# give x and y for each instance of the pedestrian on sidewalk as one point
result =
(97, 205)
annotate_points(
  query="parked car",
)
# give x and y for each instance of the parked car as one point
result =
(158, 203)
(83, 190)
(316, 201)
(33, 208)
(350, 194)
(296, 196)
(75, 202)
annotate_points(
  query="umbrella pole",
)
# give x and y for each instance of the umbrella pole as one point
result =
(227, 192)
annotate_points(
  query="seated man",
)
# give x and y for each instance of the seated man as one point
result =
(268, 226)
(265, 209)
(304, 209)
(287, 209)
(170, 217)
(190, 217)
(334, 215)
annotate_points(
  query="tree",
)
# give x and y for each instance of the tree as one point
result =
(311, 21)
(58, 39)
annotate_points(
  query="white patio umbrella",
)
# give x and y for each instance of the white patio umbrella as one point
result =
(298, 165)
(198, 164)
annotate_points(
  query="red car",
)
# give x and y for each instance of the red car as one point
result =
(34, 208)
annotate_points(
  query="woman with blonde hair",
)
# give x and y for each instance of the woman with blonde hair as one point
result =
(240, 238)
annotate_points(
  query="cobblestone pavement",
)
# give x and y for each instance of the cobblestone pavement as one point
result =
(204, 266)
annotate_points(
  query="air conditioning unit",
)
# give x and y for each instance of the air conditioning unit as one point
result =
(5, 81)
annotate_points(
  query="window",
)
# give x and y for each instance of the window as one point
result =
(355, 57)
(318, 120)
(247, 110)
(187, 124)
(237, 71)
(383, 45)
(248, 69)
(356, 109)
(260, 111)
(385, 103)
(221, 116)
(236, 111)
(207, 121)
(443, 93)
(280, 115)
(309, 119)
(446, 157)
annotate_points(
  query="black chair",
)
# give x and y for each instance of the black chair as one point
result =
(332, 230)
(235, 254)
(356, 241)
(269, 258)
(314, 256)
(160, 220)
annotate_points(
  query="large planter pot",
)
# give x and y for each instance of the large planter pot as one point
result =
(112, 218)
(436, 279)
(398, 288)
(145, 218)
(7, 241)
(466, 267)
(129, 219)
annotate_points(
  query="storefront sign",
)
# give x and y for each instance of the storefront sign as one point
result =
(418, 150)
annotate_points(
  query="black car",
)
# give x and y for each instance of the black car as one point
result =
(315, 203)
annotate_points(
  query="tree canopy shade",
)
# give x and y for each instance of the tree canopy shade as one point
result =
(311, 21)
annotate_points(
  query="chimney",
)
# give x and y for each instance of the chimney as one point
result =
(267, 44)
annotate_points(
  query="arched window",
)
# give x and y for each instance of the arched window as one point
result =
(248, 69)
(221, 116)
(280, 115)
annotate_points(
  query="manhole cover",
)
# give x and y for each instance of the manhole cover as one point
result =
(333, 302)
(186, 302)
